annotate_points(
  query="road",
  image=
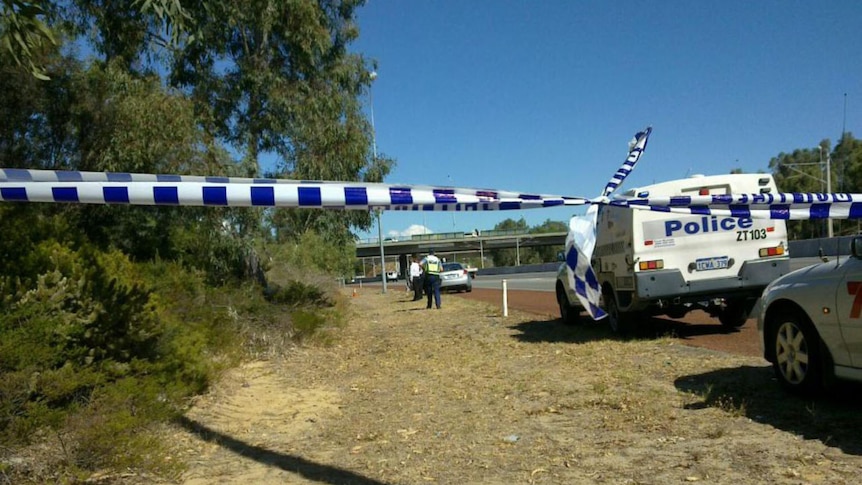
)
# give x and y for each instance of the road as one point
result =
(534, 293)
(545, 281)
(522, 281)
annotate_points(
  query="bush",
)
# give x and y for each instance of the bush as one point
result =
(114, 430)
(297, 293)
(310, 255)
(96, 350)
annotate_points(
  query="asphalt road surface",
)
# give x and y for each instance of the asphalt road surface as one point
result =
(545, 281)
(534, 293)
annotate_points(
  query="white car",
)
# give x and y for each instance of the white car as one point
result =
(455, 277)
(810, 323)
(392, 276)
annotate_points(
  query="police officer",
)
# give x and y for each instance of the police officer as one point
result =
(432, 266)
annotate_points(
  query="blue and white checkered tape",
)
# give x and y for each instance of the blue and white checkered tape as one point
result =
(149, 189)
(582, 234)
(636, 149)
(787, 206)
(18, 185)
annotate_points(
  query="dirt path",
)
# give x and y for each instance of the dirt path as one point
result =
(462, 395)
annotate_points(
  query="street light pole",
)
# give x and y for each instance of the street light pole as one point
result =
(377, 210)
(827, 181)
(453, 208)
(373, 76)
(829, 232)
(380, 238)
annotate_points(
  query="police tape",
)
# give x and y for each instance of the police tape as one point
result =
(20, 185)
(581, 237)
(785, 206)
(149, 189)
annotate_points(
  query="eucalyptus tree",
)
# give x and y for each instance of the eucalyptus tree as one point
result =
(276, 79)
(24, 33)
(547, 254)
(266, 77)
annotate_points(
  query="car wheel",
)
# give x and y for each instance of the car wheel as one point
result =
(568, 314)
(734, 314)
(619, 321)
(798, 363)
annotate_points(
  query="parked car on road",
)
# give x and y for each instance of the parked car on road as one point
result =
(810, 323)
(455, 277)
(392, 276)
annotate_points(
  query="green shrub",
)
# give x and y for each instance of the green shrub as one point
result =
(78, 324)
(95, 304)
(308, 323)
(96, 350)
(297, 293)
(311, 255)
(113, 431)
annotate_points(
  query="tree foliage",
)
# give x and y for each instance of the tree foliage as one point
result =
(276, 78)
(805, 170)
(24, 34)
(527, 255)
(104, 309)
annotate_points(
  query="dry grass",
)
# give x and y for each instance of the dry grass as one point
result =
(463, 395)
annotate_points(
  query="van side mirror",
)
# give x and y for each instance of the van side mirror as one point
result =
(856, 247)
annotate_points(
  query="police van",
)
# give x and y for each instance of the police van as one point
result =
(659, 263)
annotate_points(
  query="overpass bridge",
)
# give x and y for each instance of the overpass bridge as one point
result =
(451, 245)
(458, 243)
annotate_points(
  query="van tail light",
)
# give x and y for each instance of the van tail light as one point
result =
(776, 251)
(648, 265)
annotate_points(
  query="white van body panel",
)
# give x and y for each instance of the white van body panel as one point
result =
(703, 258)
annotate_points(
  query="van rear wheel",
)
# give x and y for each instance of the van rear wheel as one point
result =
(735, 313)
(619, 321)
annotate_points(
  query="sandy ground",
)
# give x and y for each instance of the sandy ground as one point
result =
(463, 395)
(697, 328)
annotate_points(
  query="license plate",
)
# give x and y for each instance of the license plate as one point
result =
(707, 264)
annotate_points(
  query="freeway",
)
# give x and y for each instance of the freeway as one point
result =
(545, 281)
(519, 281)
(534, 293)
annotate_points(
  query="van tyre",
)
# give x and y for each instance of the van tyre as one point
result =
(734, 314)
(619, 321)
(568, 314)
(798, 362)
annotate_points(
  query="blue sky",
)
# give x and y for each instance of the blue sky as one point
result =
(543, 97)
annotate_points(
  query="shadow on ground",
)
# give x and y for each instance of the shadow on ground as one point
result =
(752, 391)
(832, 418)
(553, 330)
(587, 330)
(290, 463)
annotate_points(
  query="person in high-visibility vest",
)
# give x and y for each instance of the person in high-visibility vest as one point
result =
(432, 266)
